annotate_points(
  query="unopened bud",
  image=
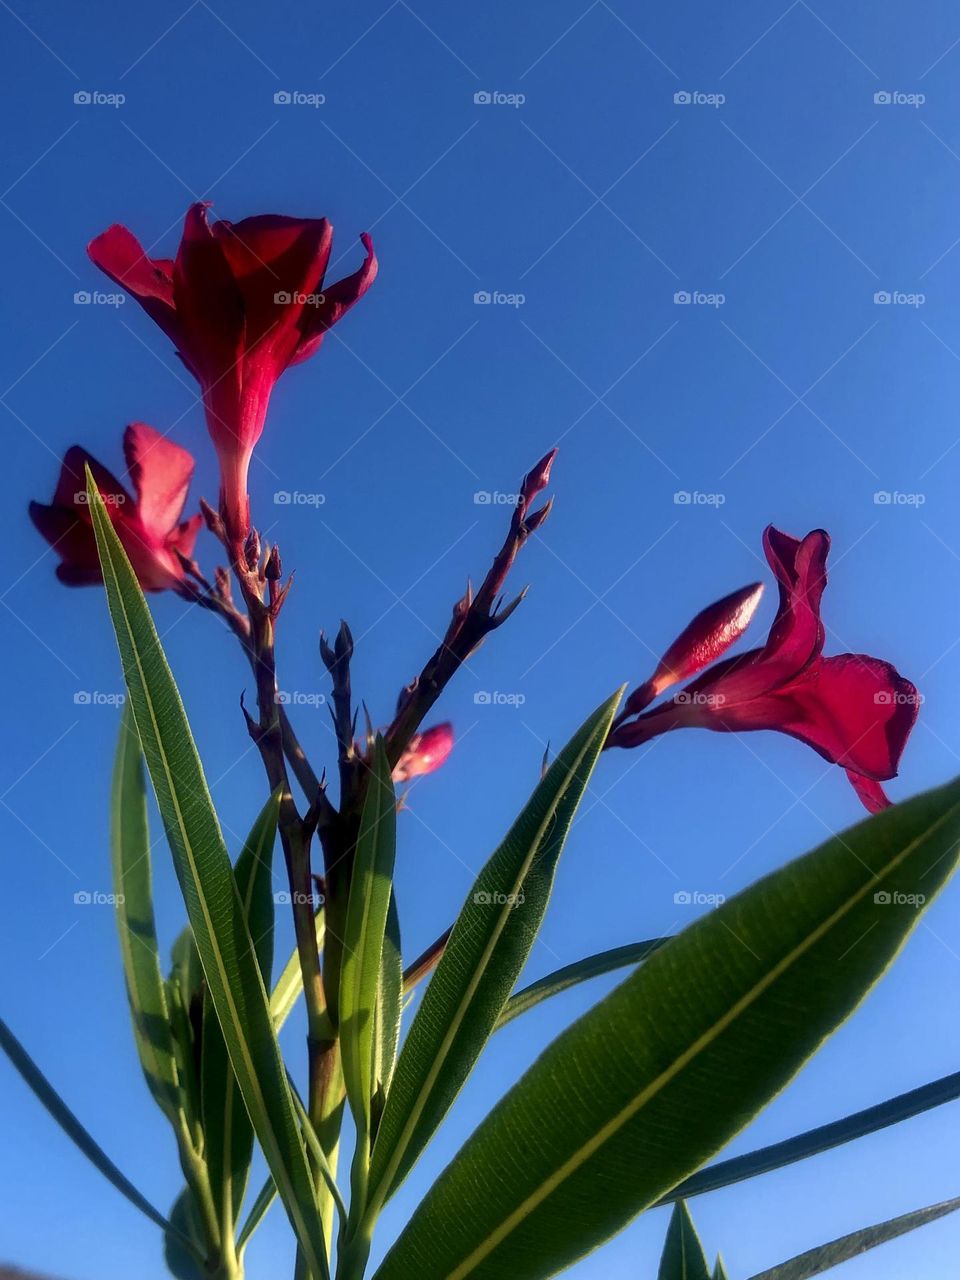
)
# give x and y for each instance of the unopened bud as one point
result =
(251, 549)
(344, 643)
(533, 522)
(274, 566)
(702, 641)
(211, 519)
(537, 479)
(427, 751)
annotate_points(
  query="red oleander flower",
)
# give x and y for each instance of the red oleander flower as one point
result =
(854, 710)
(241, 302)
(427, 751)
(148, 524)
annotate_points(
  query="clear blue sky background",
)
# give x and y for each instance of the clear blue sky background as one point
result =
(797, 399)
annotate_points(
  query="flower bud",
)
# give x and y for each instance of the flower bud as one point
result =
(427, 751)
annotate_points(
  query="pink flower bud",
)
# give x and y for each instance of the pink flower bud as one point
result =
(427, 751)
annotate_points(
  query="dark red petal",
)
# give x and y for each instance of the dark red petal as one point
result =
(278, 264)
(66, 522)
(854, 710)
(427, 751)
(796, 636)
(119, 254)
(71, 488)
(160, 472)
(185, 537)
(871, 795)
(72, 537)
(337, 300)
(208, 302)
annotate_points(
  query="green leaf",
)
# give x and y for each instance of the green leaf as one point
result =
(904, 1106)
(47, 1095)
(133, 893)
(389, 1001)
(719, 1270)
(228, 1133)
(258, 1210)
(679, 1058)
(370, 892)
(683, 1257)
(573, 974)
(209, 890)
(815, 1261)
(482, 960)
(286, 992)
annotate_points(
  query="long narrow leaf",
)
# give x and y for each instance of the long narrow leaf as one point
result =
(133, 894)
(370, 891)
(815, 1261)
(683, 1257)
(672, 1064)
(389, 1001)
(719, 1270)
(482, 960)
(572, 975)
(228, 1133)
(209, 890)
(47, 1095)
(765, 1159)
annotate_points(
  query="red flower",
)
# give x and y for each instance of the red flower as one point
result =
(854, 710)
(427, 751)
(148, 525)
(242, 302)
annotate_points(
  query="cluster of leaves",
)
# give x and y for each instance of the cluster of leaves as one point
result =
(615, 1117)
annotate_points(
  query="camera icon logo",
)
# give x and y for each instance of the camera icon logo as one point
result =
(282, 98)
(482, 898)
(682, 898)
(682, 98)
(883, 98)
(82, 698)
(282, 498)
(82, 98)
(482, 698)
(482, 298)
(82, 298)
(483, 98)
(83, 897)
(682, 298)
(882, 898)
(882, 298)
(282, 299)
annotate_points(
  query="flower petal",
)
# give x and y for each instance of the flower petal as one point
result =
(276, 262)
(337, 300)
(854, 710)
(160, 472)
(208, 302)
(119, 254)
(871, 795)
(796, 636)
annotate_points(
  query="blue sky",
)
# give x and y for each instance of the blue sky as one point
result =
(786, 198)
